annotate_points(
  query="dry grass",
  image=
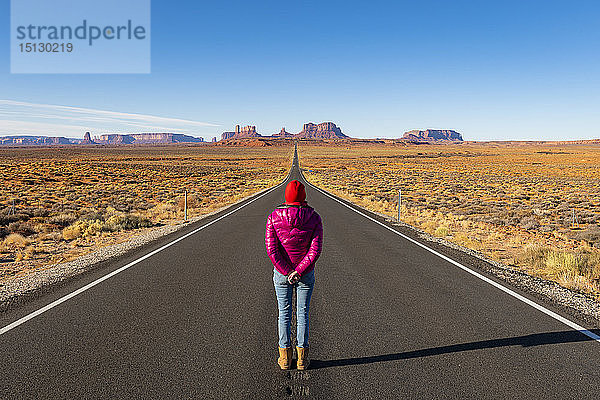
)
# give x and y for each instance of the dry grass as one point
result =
(70, 200)
(495, 198)
(579, 270)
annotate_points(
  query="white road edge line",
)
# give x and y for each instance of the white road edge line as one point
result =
(131, 264)
(525, 300)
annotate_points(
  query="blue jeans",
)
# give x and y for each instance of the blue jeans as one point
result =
(283, 291)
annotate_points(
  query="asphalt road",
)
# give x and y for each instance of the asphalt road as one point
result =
(198, 320)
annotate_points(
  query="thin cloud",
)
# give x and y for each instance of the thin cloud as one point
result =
(11, 127)
(17, 117)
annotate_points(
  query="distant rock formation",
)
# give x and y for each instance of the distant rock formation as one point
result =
(36, 140)
(227, 135)
(432, 135)
(324, 130)
(247, 131)
(243, 132)
(146, 138)
(113, 138)
(87, 139)
(283, 134)
(214, 139)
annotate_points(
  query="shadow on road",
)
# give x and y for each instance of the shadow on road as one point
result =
(538, 339)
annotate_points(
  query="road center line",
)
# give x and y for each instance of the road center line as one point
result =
(525, 300)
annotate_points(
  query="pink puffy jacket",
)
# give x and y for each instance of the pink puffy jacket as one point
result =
(294, 238)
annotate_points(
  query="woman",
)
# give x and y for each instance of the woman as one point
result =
(294, 239)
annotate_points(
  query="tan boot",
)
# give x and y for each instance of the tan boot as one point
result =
(303, 360)
(285, 357)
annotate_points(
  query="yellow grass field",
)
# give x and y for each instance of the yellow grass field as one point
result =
(514, 202)
(70, 200)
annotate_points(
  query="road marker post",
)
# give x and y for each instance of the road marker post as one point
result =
(574, 220)
(185, 206)
(399, 202)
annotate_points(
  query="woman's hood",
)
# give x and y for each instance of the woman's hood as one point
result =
(295, 216)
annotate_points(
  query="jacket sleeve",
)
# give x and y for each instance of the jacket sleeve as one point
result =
(316, 245)
(273, 245)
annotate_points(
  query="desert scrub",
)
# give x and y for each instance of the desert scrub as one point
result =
(576, 270)
(55, 197)
(127, 221)
(441, 231)
(496, 198)
(591, 235)
(62, 219)
(14, 240)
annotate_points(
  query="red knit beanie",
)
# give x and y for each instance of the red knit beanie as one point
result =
(295, 193)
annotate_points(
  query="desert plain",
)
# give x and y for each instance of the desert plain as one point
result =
(532, 206)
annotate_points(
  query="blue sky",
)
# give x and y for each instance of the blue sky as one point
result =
(492, 70)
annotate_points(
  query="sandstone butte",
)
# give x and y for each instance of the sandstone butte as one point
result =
(432, 135)
(112, 138)
(242, 135)
(330, 131)
(324, 130)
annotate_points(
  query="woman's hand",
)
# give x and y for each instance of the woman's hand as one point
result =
(293, 277)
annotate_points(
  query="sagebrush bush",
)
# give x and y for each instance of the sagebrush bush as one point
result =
(29, 252)
(72, 232)
(63, 219)
(6, 219)
(163, 211)
(192, 202)
(22, 228)
(564, 263)
(40, 212)
(92, 215)
(94, 228)
(127, 221)
(115, 223)
(54, 236)
(590, 235)
(569, 266)
(441, 231)
(529, 222)
(16, 240)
